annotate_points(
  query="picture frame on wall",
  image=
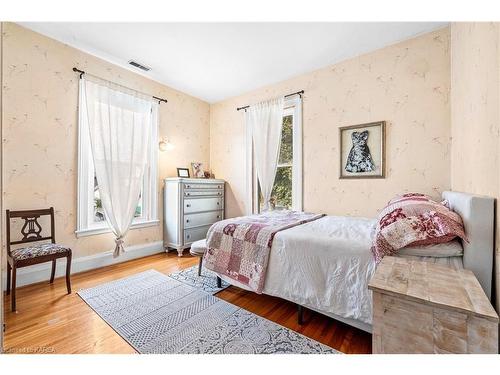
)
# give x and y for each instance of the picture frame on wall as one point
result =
(183, 172)
(362, 150)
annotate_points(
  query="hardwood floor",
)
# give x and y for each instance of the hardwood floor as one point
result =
(50, 321)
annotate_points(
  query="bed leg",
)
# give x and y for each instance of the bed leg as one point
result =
(300, 315)
(219, 282)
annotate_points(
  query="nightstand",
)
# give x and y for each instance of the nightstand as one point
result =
(421, 307)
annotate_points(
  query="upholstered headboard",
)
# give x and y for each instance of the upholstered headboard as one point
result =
(477, 213)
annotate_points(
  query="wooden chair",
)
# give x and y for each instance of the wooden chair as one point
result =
(36, 253)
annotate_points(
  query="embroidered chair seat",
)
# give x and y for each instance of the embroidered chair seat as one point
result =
(38, 250)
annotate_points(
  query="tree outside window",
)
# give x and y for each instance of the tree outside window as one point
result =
(281, 196)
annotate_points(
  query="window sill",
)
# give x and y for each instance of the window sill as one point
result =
(106, 229)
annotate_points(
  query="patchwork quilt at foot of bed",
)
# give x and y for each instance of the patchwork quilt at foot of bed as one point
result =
(239, 248)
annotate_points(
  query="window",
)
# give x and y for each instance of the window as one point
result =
(91, 217)
(287, 188)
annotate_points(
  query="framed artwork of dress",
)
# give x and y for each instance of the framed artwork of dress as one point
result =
(362, 150)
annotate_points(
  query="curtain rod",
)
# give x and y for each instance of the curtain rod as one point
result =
(83, 72)
(286, 96)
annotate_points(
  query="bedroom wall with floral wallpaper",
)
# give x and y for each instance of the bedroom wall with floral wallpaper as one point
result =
(475, 114)
(406, 84)
(40, 131)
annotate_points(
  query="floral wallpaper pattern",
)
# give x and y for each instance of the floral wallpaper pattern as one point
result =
(406, 84)
(475, 114)
(40, 131)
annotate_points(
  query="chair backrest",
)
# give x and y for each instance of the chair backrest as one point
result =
(31, 230)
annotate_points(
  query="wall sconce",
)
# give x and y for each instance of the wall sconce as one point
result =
(165, 145)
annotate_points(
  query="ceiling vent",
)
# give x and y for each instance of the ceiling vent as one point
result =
(140, 66)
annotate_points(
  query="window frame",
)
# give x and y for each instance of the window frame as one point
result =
(292, 106)
(86, 226)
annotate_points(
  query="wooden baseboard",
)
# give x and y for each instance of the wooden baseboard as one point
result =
(41, 272)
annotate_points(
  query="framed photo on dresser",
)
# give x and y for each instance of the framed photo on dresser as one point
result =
(183, 172)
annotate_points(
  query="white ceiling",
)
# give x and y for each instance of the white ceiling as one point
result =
(215, 61)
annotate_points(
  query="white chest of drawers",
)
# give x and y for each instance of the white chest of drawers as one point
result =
(190, 207)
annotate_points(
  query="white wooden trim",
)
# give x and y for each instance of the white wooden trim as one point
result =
(41, 272)
(106, 229)
(153, 167)
(83, 161)
(250, 200)
(297, 180)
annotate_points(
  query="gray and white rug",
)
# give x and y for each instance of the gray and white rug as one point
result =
(207, 281)
(158, 314)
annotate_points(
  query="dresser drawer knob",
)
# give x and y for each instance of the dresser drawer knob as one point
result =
(188, 193)
(188, 205)
(219, 193)
(188, 236)
(218, 203)
(218, 216)
(187, 220)
(188, 186)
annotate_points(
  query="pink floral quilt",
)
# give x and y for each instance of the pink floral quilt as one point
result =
(239, 248)
(413, 220)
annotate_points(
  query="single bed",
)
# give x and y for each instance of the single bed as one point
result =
(325, 265)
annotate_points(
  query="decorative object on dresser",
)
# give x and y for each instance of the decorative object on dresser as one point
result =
(420, 307)
(198, 170)
(183, 172)
(362, 150)
(32, 254)
(191, 206)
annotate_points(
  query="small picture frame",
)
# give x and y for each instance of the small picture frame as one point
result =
(183, 172)
(197, 170)
(362, 150)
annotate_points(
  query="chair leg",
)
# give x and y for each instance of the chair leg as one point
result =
(53, 272)
(200, 265)
(9, 271)
(219, 282)
(13, 297)
(68, 272)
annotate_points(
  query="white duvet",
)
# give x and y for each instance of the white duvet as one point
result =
(325, 264)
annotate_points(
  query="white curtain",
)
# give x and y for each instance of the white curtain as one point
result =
(265, 120)
(120, 134)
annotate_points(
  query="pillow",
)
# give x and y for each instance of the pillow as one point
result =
(414, 219)
(438, 250)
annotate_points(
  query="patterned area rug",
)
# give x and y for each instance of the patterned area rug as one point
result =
(207, 281)
(157, 314)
